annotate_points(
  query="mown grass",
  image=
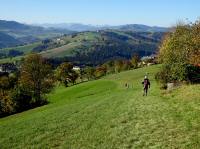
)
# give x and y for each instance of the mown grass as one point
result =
(104, 114)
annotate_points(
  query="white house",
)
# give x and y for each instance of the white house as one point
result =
(1, 69)
(76, 68)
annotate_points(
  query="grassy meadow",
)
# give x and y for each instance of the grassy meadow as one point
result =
(25, 48)
(104, 114)
(10, 60)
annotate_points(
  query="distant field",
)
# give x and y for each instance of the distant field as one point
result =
(26, 48)
(103, 114)
(10, 60)
(66, 50)
(77, 43)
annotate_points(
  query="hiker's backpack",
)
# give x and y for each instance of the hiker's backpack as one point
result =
(146, 82)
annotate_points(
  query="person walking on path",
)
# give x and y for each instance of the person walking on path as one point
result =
(146, 84)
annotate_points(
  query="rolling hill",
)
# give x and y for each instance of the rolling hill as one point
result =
(7, 40)
(100, 46)
(95, 47)
(104, 114)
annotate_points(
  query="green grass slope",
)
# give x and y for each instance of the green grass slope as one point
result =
(103, 114)
(80, 42)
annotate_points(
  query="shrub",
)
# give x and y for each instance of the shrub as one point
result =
(7, 106)
(193, 74)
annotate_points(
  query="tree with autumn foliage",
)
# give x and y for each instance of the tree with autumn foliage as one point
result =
(6, 102)
(36, 77)
(135, 60)
(180, 54)
(100, 71)
(195, 42)
(89, 73)
(65, 74)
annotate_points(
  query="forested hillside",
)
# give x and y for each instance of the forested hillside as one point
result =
(100, 46)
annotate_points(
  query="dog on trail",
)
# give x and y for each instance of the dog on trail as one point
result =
(127, 85)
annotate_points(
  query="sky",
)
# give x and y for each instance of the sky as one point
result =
(101, 12)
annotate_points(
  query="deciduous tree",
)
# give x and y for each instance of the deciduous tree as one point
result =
(180, 51)
(135, 60)
(36, 77)
(66, 74)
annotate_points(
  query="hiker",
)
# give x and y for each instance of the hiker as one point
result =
(146, 84)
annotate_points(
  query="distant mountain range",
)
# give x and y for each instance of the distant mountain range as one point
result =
(13, 33)
(129, 27)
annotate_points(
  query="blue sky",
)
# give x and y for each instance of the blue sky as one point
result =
(99, 12)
